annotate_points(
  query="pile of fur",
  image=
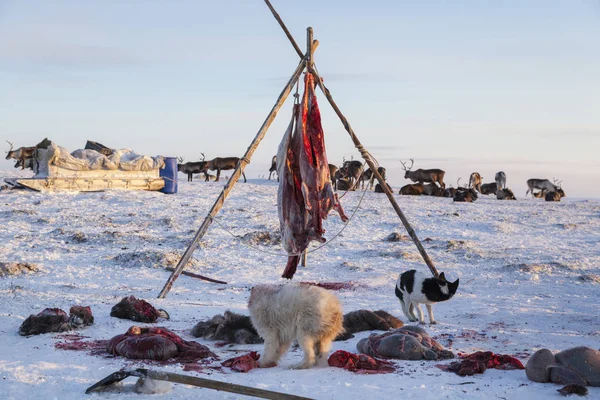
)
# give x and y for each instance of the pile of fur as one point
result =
(56, 320)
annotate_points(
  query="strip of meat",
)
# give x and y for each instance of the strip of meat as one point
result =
(305, 194)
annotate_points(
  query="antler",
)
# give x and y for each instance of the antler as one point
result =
(458, 182)
(11, 146)
(412, 162)
(180, 159)
(203, 157)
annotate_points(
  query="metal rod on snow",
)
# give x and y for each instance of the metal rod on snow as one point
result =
(232, 180)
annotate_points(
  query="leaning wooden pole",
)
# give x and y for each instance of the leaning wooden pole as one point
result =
(285, 29)
(232, 181)
(367, 157)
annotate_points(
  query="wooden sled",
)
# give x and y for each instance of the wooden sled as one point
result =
(88, 184)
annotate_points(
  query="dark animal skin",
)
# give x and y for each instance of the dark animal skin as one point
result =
(56, 320)
(137, 310)
(406, 343)
(156, 344)
(228, 328)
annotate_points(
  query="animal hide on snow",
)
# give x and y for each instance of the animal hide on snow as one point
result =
(367, 320)
(56, 320)
(137, 310)
(229, 328)
(156, 344)
(305, 194)
(406, 343)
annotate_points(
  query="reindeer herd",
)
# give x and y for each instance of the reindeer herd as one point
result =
(216, 164)
(430, 182)
(351, 174)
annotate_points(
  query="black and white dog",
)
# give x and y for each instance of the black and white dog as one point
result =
(414, 288)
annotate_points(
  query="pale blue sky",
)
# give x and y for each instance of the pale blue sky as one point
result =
(460, 85)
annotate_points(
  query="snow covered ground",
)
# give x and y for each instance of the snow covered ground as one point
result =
(529, 278)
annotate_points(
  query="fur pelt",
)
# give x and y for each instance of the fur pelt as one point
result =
(229, 328)
(367, 320)
(281, 313)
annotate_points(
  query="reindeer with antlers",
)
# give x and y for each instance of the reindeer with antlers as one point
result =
(22, 155)
(424, 175)
(191, 168)
(544, 185)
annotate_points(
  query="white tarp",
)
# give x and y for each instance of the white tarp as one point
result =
(90, 160)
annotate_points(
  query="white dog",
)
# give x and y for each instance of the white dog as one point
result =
(281, 313)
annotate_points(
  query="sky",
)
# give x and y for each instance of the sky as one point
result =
(460, 85)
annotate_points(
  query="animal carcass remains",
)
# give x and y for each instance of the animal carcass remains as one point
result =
(305, 194)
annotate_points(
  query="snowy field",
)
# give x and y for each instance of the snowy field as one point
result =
(529, 278)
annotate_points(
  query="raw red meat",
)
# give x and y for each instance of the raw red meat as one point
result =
(243, 363)
(305, 194)
(359, 363)
(477, 363)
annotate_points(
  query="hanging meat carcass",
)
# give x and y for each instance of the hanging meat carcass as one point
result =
(305, 194)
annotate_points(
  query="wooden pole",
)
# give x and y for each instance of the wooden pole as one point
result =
(223, 386)
(233, 179)
(285, 29)
(191, 380)
(367, 157)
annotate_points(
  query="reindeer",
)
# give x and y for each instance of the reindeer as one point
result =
(505, 194)
(222, 164)
(334, 175)
(191, 168)
(489, 188)
(369, 176)
(424, 175)
(500, 179)
(412, 189)
(273, 168)
(544, 184)
(464, 194)
(475, 181)
(351, 170)
(379, 188)
(451, 191)
(552, 196)
(21, 154)
(431, 189)
(28, 163)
